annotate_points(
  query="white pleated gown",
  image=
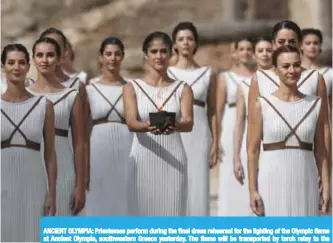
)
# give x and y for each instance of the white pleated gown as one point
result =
(287, 179)
(63, 102)
(198, 142)
(111, 169)
(24, 183)
(160, 160)
(229, 198)
(72, 83)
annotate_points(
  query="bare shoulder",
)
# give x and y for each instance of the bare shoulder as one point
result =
(128, 89)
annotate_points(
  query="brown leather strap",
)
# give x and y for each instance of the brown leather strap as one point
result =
(197, 78)
(61, 132)
(165, 101)
(269, 78)
(306, 78)
(113, 106)
(29, 143)
(63, 97)
(280, 115)
(293, 131)
(74, 82)
(283, 144)
(199, 103)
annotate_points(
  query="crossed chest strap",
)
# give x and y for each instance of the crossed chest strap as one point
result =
(153, 102)
(58, 131)
(28, 143)
(104, 119)
(283, 144)
(196, 102)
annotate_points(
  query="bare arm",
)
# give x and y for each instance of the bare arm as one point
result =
(131, 110)
(211, 109)
(320, 151)
(79, 137)
(240, 123)
(221, 101)
(254, 135)
(186, 106)
(86, 128)
(50, 156)
(89, 127)
(252, 99)
(321, 91)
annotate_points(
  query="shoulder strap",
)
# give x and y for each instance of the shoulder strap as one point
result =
(269, 78)
(277, 112)
(23, 119)
(304, 117)
(74, 82)
(166, 100)
(246, 83)
(232, 78)
(63, 97)
(196, 79)
(170, 95)
(145, 93)
(306, 78)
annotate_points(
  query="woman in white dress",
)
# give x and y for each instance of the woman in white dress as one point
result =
(311, 49)
(111, 170)
(68, 112)
(201, 144)
(263, 50)
(311, 82)
(226, 113)
(75, 83)
(68, 65)
(291, 127)
(28, 176)
(158, 152)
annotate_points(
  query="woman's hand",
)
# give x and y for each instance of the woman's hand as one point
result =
(50, 207)
(168, 128)
(257, 204)
(239, 171)
(325, 202)
(78, 200)
(154, 130)
(214, 156)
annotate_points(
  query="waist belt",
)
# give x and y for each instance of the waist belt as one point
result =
(282, 145)
(61, 132)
